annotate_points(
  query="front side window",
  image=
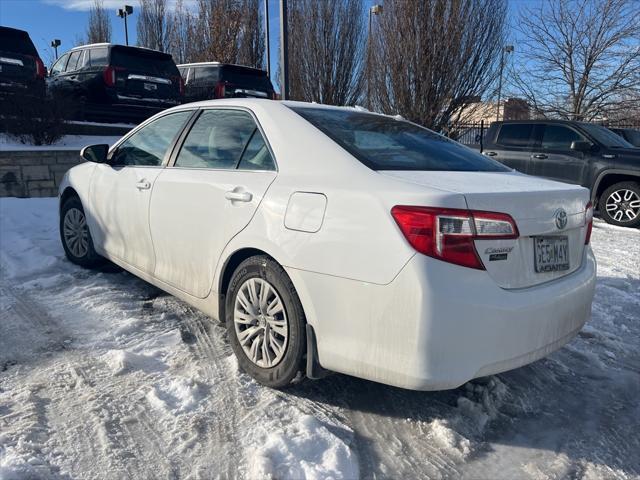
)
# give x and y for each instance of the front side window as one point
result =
(515, 134)
(558, 137)
(225, 139)
(385, 143)
(148, 146)
(58, 67)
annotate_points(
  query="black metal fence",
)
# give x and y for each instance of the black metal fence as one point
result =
(472, 134)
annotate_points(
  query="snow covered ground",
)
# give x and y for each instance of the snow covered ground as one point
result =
(68, 142)
(104, 376)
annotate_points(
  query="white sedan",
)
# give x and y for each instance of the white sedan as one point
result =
(334, 239)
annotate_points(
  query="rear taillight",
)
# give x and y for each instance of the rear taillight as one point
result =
(109, 76)
(219, 91)
(41, 72)
(448, 234)
(588, 221)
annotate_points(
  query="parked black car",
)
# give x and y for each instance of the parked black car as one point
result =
(21, 69)
(115, 82)
(574, 152)
(209, 80)
(631, 135)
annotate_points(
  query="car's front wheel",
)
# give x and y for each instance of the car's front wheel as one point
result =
(620, 204)
(265, 322)
(75, 235)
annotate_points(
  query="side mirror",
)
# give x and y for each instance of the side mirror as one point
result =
(580, 146)
(95, 153)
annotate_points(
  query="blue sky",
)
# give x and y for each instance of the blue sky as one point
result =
(67, 20)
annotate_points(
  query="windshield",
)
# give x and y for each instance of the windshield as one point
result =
(605, 136)
(384, 143)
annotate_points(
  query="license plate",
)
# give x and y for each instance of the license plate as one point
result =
(150, 86)
(551, 254)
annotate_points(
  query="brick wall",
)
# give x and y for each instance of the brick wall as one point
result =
(34, 173)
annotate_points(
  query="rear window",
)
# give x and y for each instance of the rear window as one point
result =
(246, 77)
(16, 41)
(205, 73)
(384, 143)
(148, 62)
(515, 134)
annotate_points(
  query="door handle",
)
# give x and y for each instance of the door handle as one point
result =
(541, 156)
(490, 154)
(143, 185)
(235, 196)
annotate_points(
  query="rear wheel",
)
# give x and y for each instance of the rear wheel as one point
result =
(265, 322)
(75, 235)
(620, 204)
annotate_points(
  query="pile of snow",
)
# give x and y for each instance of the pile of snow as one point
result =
(305, 449)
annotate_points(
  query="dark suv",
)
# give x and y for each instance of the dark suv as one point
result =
(21, 69)
(209, 80)
(115, 82)
(574, 152)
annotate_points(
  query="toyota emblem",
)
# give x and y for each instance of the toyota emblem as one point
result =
(561, 218)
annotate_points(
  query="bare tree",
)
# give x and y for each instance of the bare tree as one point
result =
(580, 58)
(326, 50)
(433, 58)
(99, 26)
(181, 44)
(229, 31)
(155, 25)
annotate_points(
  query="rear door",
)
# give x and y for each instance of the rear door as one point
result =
(553, 158)
(120, 192)
(219, 178)
(145, 76)
(512, 146)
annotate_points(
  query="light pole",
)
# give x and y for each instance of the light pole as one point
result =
(284, 51)
(266, 37)
(505, 49)
(124, 13)
(373, 10)
(55, 43)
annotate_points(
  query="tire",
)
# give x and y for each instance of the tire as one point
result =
(251, 318)
(619, 203)
(81, 250)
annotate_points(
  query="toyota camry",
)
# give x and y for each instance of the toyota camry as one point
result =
(335, 239)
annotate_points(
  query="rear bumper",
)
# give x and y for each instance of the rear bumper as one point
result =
(437, 325)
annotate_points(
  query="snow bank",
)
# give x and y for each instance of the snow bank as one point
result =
(305, 450)
(68, 142)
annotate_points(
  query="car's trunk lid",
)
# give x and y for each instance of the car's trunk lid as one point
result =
(536, 205)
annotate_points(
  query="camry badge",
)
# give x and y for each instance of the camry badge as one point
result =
(561, 218)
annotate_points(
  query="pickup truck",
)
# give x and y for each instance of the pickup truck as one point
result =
(573, 152)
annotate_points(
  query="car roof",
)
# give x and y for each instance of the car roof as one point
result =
(13, 30)
(217, 64)
(549, 120)
(266, 103)
(107, 44)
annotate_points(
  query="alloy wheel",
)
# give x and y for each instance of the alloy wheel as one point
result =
(76, 234)
(261, 322)
(623, 205)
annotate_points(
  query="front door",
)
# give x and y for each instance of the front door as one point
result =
(512, 146)
(219, 178)
(553, 158)
(120, 192)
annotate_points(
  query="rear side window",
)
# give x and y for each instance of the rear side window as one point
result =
(515, 134)
(16, 41)
(557, 137)
(223, 139)
(384, 143)
(98, 57)
(73, 61)
(148, 146)
(150, 63)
